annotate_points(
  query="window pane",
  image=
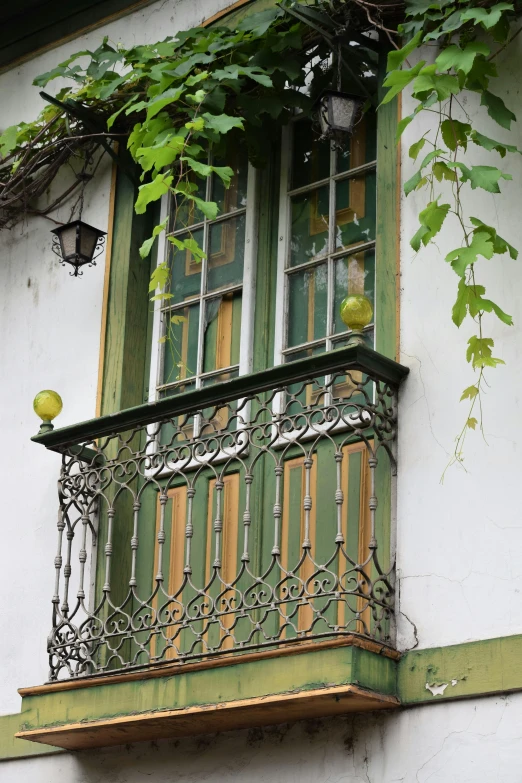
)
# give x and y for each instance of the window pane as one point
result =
(185, 269)
(308, 305)
(355, 211)
(309, 232)
(310, 155)
(222, 329)
(235, 196)
(181, 343)
(353, 275)
(360, 148)
(226, 253)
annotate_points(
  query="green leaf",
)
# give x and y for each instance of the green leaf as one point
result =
(497, 109)
(416, 148)
(472, 422)
(222, 123)
(453, 57)
(431, 220)
(470, 393)
(403, 124)
(429, 81)
(164, 99)
(203, 169)
(152, 191)
(479, 352)
(396, 58)
(500, 245)
(159, 277)
(462, 257)
(490, 144)
(487, 18)
(485, 177)
(8, 140)
(209, 208)
(470, 298)
(147, 245)
(259, 23)
(160, 156)
(455, 133)
(398, 80)
(442, 171)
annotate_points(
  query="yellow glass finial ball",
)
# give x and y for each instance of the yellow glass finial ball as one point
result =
(356, 312)
(47, 404)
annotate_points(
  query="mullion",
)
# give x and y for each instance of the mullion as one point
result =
(201, 224)
(350, 174)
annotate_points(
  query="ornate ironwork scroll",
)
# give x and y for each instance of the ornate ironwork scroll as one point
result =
(247, 524)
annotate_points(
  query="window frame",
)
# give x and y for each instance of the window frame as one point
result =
(282, 352)
(247, 287)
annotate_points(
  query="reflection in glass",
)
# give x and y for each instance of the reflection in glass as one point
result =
(354, 274)
(355, 211)
(360, 147)
(181, 345)
(235, 196)
(185, 269)
(226, 253)
(308, 305)
(222, 331)
(309, 231)
(310, 155)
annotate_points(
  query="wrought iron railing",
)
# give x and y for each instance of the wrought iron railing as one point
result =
(228, 519)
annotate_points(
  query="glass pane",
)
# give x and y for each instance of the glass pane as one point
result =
(226, 253)
(353, 275)
(222, 330)
(184, 211)
(309, 232)
(218, 419)
(181, 343)
(310, 155)
(355, 211)
(235, 196)
(360, 148)
(308, 305)
(186, 269)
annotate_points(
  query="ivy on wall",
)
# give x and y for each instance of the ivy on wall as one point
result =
(172, 101)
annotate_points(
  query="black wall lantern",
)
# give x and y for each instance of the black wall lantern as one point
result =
(337, 113)
(78, 244)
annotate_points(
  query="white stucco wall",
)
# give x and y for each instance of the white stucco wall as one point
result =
(460, 576)
(463, 742)
(458, 543)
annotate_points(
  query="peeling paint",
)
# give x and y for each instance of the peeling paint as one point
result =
(437, 690)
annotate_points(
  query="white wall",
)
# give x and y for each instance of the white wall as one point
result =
(462, 742)
(50, 327)
(459, 542)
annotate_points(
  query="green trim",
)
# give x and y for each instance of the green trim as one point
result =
(477, 668)
(254, 679)
(387, 237)
(12, 748)
(354, 357)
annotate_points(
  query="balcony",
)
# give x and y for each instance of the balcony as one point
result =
(238, 534)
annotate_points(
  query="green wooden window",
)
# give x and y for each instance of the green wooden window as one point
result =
(202, 334)
(327, 232)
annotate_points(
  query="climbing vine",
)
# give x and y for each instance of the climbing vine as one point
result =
(466, 39)
(174, 104)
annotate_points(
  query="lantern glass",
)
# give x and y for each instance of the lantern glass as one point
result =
(88, 240)
(338, 112)
(67, 237)
(76, 243)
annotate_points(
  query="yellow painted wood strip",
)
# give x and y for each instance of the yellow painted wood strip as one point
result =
(177, 551)
(229, 544)
(106, 281)
(224, 333)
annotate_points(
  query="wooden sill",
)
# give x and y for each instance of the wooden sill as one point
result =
(174, 668)
(278, 708)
